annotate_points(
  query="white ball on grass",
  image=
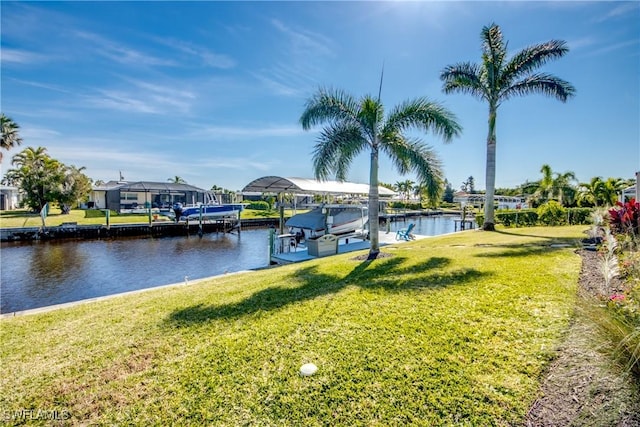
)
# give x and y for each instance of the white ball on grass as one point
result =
(308, 369)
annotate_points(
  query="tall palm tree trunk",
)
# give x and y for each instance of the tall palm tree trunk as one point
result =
(489, 211)
(373, 204)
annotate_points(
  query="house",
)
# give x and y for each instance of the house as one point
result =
(10, 198)
(500, 202)
(124, 197)
(632, 192)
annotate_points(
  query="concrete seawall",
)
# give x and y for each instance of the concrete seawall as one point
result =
(159, 229)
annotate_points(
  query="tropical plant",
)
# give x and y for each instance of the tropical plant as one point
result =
(10, 136)
(497, 79)
(551, 213)
(405, 188)
(598, 192)
(355, 125)
(610, 190)
(589, 192)
(74, 187)
(624, 218)
(555, 186)
(177, 180)
(42, 180)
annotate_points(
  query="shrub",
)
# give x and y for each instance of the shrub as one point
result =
(577, 216)
(403, 205)
(519, 218)
(259, 205)
(552, 213)
(625, 217)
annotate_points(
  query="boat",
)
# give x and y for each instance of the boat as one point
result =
(207, 211)
(328, 219)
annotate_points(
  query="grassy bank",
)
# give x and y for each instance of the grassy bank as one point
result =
(12, 219)
(454, 329)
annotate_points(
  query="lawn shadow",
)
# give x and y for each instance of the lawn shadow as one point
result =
(534, 248)
(384, 274)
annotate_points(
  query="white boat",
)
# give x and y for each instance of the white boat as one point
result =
(210, 209)
(328, 219)
(207, 211)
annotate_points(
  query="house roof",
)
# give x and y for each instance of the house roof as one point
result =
(277, 184)
(148, 186)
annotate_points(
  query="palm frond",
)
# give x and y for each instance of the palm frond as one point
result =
(542, 83)
(337, 145)
(463, 78)
(531, 58)
(328, 105)
(411, 155)
(370, 116)
(494, 52)
(420, 113)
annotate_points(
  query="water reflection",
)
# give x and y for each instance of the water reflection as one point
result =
(52, 266)
(38, 274)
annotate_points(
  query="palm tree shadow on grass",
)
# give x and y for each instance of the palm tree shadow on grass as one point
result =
(551, 240)
(387, 275)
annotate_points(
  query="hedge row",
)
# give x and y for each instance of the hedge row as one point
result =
(547, 214)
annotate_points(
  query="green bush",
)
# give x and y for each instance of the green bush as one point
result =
(97, 213)
(519, 218)
(552, 213)
(259, 205)
(403, 205)
(577, 216)
(530, 217)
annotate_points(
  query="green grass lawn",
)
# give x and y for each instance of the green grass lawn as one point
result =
(450, 330)
(21, 218)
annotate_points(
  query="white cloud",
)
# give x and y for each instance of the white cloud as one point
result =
(620, 9)
(301, 60)
(304, 41)
(122, 54)
(207, 56)
(143, 97)
(612, 47)
(247, 132)
(19, 56)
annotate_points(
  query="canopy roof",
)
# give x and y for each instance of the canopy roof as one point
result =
(141, 186)
(276, 184)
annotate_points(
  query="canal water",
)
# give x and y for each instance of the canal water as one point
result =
(39, 274)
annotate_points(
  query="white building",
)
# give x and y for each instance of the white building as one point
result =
(10, 198)
(500, 202)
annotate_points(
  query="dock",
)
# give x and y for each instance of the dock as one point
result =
(154, 229)
(348, 243)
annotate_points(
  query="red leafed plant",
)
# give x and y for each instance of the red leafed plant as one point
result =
(625, 217)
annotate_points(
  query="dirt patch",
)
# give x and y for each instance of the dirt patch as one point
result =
(582, 387)
(365, 257)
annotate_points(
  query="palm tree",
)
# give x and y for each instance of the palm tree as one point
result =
(497, 79)
(610, 190)
(10, 136)
(565, 189)
(404, 188)
(556, 186)
(355, 125)
(177, 180)
(590, 191)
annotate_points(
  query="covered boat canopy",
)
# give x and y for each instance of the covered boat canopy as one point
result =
(313, 220)
(276, 184)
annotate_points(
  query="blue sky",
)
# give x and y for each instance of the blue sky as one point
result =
(212, 91)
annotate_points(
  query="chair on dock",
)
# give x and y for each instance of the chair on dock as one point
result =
(405, 233)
